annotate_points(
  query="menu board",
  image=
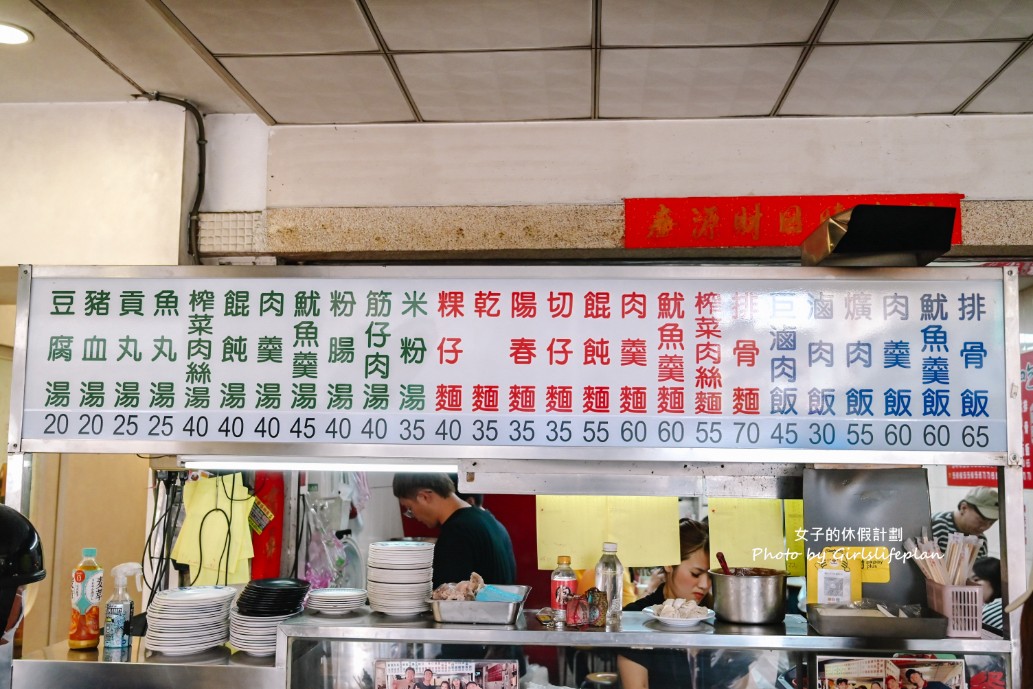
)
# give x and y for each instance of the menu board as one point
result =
(570, 357)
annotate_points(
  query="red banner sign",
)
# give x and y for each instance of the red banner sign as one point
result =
(987, 476)
(742, 221)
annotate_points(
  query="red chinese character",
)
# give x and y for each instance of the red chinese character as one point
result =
(521, 398)
(708, 351)
(522, 350)
(671, 336)
(597, 305)
(485, 398)
(448, 350)
(707, 302)
(633, 304)
(597, 352)
(744, 306)
(670, 305)
(708, 377)
(670, 400)
(450, 304)
(632, 400)
(486, 304)
(559, 398)
(559, 351)
(596, 399)
(745, 352)
(524, 305)
(707, 327)
(633, 352)
(670, 367)
(448, 398)
(746, 400)
(708, 403)
(561, 304)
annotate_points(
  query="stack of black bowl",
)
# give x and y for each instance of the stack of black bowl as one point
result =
(261, 606)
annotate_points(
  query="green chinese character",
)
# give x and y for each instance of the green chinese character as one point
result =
(60, 348)
(132, 303)
(198, 373)
(378, 304)
(306, 304)
(163, 395)
(98, 303)
(376, 334)
(200, 324)
(128, 347)
(202, 300)
(414, 349)
(198, 397)
(92, 393)
(232, 396)
(342, 350)
(234, 349)
(59, 393)
(414, 303)
(166, 303)
(376, 396)
(238, 303)
(304, 365)
(270, 302)
(270, 348)
(340, 396)
(306, 334)
(163, 349)
(268, 396)
(127, 394)
(95, 349)
(378, 366)
(342, 303)
(304, 395)
(413, 398)
(62, 300)
(199, 349)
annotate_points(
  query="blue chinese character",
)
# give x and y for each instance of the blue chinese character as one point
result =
(934, 307)
(859, 402)
(897, 402)
(783, 340)
(935, 402)
(934, 339)
(819, 353)
(935, 371)
(971, 307)
(783, 401)
(974, 402)
(896, 305)
(783, 367)
(973, 353)
(896, 354)
(859, 353)
(820, 401)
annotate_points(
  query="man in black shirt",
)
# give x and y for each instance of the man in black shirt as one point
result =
(471, 539)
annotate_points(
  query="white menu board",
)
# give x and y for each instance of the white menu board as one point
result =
(629, 357)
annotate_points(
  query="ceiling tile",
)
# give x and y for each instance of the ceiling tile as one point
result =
(323, 89)
(693, 82)
(272, 27)
(707, 22)
(1010, 92)
(483, 24)
(928, 20)
(906, 79)
(477, 87)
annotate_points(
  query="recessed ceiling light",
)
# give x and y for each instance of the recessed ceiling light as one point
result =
(13, 35)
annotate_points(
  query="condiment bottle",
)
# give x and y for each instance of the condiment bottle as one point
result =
(87, 590)
(609, 578)
(119, 611)
(564, 583)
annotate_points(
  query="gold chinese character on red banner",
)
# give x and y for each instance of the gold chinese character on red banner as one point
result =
(662, 223)
(746, 222)
(790, 220)
(829, 212)
(704, 222)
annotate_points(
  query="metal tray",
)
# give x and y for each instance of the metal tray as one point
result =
(481, 612)
(830, 620)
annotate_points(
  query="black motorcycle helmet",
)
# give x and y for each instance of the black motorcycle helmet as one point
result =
(21, 557)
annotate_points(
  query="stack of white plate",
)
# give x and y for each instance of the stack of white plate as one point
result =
(189, 620)
(336, 601)
(398, 576)
(255, 635)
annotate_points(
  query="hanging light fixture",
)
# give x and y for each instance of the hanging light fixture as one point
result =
(13, 35)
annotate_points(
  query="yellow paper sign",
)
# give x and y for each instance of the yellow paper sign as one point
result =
(796, 545)
(215, 539)
(645, 529)
(748, 531)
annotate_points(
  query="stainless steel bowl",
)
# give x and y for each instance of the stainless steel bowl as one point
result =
(750, 599)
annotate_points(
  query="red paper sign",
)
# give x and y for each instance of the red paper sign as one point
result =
(987, 476)
(739, 221)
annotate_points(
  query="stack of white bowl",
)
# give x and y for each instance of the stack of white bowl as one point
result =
(398, 576)
(335, 601)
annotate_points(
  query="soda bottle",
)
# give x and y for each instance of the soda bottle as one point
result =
(87, 590)
(564, 583)
(609, 578)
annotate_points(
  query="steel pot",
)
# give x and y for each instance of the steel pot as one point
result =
(749, 599)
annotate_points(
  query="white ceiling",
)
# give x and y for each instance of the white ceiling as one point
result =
(369, 61)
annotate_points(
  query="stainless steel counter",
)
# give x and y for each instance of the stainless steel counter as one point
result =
(59, 666)
(637, 630)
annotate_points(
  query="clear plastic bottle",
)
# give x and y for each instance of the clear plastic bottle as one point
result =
(118, 613)
(87, 592)
(609, 578)
(564, 583)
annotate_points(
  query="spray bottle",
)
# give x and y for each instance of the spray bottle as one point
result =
(119, 611)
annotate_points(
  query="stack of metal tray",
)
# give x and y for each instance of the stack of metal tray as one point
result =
(481, 612)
